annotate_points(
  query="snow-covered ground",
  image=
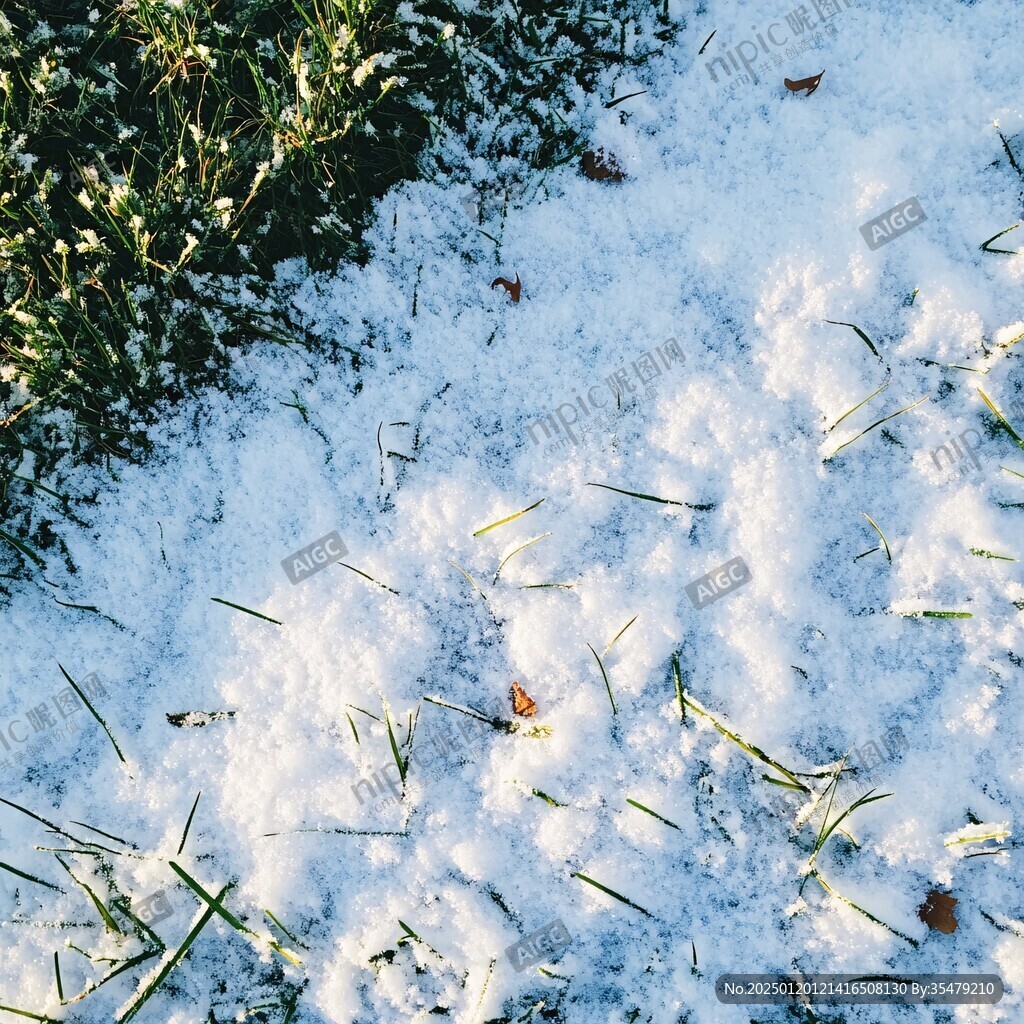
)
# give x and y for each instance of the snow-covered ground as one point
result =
(736, 233)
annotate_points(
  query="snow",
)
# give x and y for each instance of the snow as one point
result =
(736, 232)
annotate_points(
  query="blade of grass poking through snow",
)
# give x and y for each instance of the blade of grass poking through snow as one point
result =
(383, 586)
(620, 632)
(142, 930)
(42, 821)
(706, 41)
(860, 334)
(653, 814)
(26, 1013)
(410, 934)
(1002, 419)
(678, 678)
(612, 893)
(399, 760)
(982, 553)
(885, 543)
(1006, 252)
(878, 423)
(100, 832)
(215, 903)
(516, 552)
(607, 684)
(188, 824)
(353, 725)
(468, 577)
(110, 923)
(507, 519)
(28, 553)
(937, 615)
(1009, 152)
(743, 745)
(95, 714)
(540, 794)
(248, 611)
(827, 831)
(622, 99)
(281, 926)
(56, 971)
(651, 497)
(497, 723)
(30, 878)
(171, 961)
(859, 405)
(1012, 471)
(860, 910)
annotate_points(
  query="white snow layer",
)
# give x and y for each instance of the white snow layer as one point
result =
(735, 233)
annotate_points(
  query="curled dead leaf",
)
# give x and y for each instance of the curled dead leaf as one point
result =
(602, 166)
(522, 704)
(512, 287)
(937, 912)
(810, 84)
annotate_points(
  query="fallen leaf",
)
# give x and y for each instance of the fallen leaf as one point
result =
(521, 703)
(602, 166)
(810, 84)
(512, 287)
(937, 912)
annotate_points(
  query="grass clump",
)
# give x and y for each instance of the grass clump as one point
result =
(158, 161)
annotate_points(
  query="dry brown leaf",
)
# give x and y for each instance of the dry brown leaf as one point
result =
(602, 166)
(937, 911)
(810, 84)
(521, 703)
(512, 287)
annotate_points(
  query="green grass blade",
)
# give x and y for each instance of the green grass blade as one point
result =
(1006, 252)
(38, 559)
(97, 902)
(399, 760)
(26, 1013)
(651, 497)
(678, 679)
(248, 611)
(608, 685)
(937, 615)
(353, 725)
(28, 877)
(507, 519)
(653, 814)
(982, 553)
(516, 552)
(878, 423)
(743, 745)
(219, 908)
(547, 799)
(885, 543)
(620, 632)
(1002, 419)
(95, 714)
(188, 824)
(859, 405)
(612, 893)
(871, 917)
(172, 961)
(370, 578)
(867, 341)
(468, 577)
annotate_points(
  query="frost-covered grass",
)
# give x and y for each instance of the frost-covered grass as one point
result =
(158, 160)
